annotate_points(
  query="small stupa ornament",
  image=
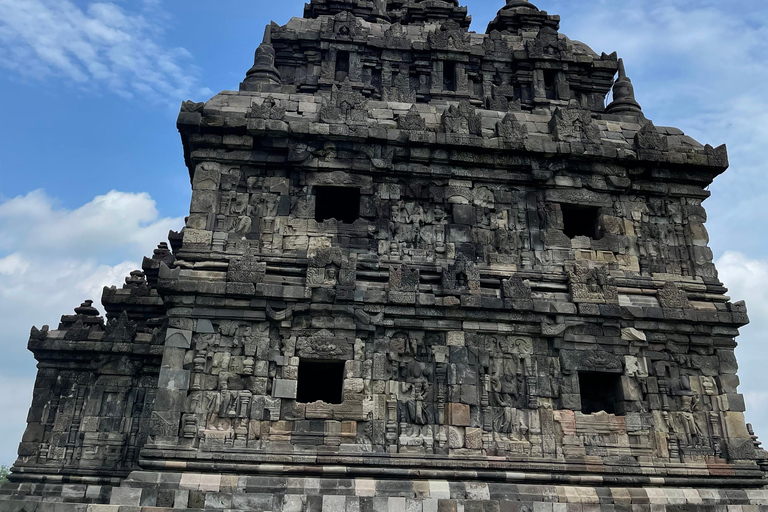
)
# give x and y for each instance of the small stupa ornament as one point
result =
(263, 70)
(520, 3)
(623, 95)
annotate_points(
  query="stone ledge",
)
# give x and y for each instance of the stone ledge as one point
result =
(278, 494)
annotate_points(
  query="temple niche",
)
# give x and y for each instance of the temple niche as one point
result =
(424, 269)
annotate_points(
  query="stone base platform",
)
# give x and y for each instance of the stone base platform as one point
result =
(147, 491)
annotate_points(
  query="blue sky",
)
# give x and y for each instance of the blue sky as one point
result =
(91, 166)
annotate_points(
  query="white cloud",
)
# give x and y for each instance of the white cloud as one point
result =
(756, 400)
(14, 402)
(101, 44)
(51, 259)
(54, 257)
(13, 264)
(747, 279)
(111, 223)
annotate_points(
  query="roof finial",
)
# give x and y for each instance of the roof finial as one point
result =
(622, 70)
(519, 15)
(520, 3)
(263, 75)
(623, 95)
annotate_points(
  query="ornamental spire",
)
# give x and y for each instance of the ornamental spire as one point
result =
(623, 95)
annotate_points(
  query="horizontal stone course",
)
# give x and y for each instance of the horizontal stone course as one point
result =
(412, 495)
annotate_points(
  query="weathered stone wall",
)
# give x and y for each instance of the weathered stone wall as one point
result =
(517, 311)
(463, 311)
(410, 60)
(427, 212)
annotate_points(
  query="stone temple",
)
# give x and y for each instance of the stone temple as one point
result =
(424, 270)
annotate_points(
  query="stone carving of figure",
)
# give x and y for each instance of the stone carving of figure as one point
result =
(247, 341)
(692, 430)
(326, 275)
(409, 345)
(431, 233)
(416, 392)
(504, 383)
(594, 286)
(708, 386)
(406, 220)
(219, 405)
(507, 420)
(212, 408)
(243, 224)
(239, 206)
(330, 274)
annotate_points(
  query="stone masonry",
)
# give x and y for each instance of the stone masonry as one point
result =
(424, 270)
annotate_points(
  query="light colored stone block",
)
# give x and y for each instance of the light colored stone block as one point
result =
(210, 483)
(439, 490)
(283, 388)
(395, 504)
(293, 503)
(429, 505)
(190, 481)
(458, 414)
(334, 503)
(125, 496)
(455, 338)
(178, 338)
(365, 487)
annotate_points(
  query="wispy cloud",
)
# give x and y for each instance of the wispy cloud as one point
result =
(52, 258)
(101, 45)
(114, 223)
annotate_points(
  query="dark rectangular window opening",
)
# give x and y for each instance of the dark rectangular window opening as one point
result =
(550, 84)
(449, 76)
(340, 203)
(580, 220)
(320, 380)
(342, 65)
(599, 392)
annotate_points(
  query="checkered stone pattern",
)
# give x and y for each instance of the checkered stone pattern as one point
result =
(279, 494)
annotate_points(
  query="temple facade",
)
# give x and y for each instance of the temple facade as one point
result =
(424, 270)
